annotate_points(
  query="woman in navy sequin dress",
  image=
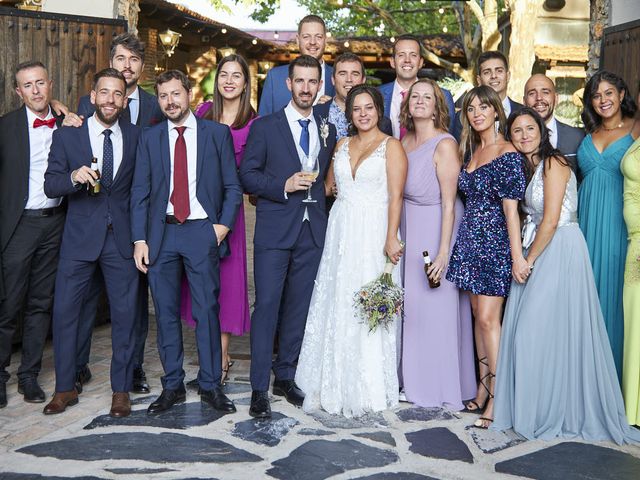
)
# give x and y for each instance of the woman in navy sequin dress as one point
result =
(492, 183)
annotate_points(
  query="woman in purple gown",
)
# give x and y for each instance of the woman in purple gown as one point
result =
(437, 347)
(230, 106)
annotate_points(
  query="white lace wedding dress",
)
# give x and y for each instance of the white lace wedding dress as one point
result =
(344, 369)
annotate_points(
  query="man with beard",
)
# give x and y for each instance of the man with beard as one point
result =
(406, 60)
(540, 94)
(30, 228)
(348, 71)
(289, 233)
(312, 38)
(127, 56)
(97, 231)
(184, 200)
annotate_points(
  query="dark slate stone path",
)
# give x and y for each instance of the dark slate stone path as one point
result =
(439, 443)
(336, 421)
(320, 459)
(180, 417)
(166, 447)
(574, 461)
(396, 476)
(421, 414)
(382, 437)
(265, 432)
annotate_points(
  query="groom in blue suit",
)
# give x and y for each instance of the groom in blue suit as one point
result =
(289, 233)
(184, 200)
(96, 232)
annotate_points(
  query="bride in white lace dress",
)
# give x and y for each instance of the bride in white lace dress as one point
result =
(343, 368)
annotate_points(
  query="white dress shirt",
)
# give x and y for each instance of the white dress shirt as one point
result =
(552, 125)
(323, 85)
(39, 144)
(296, 130)
(134, 105)
(506, 105)
(191, 140)
(96, 137)
(394, 112)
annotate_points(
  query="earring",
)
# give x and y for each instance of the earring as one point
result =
(496, 127)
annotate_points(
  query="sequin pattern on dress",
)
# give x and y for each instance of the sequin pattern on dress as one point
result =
(481, 257)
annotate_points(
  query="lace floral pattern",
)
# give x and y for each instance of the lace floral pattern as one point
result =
(343, 368)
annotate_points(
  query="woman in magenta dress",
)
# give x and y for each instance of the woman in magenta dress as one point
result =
(437, 346)
(230, 106)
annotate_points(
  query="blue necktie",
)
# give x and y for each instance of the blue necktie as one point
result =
(304, 135)
(106, 179)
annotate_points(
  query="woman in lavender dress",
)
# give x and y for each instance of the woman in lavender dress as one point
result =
(488, 246)
(231, 106)
(437, 347)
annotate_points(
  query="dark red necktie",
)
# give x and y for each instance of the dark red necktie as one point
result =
(180, 195)
(403, 131)
(41, 123)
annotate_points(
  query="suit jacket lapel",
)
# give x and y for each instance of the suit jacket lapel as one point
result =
(201, 136)
(165, 154)
(144, 108)
(124, 163)
(86, 153)
(283, 125)
(22, 142)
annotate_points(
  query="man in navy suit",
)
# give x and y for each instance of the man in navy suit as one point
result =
(127, 56)
(493, 71)
(348, 71)
(184, 201)
(540, 94)
(96, 232)
(312, 38)
(289, 233)
(30, 228)
(407, 61)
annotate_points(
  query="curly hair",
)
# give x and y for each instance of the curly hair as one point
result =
(590, 117)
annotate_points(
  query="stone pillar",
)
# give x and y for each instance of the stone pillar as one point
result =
(128, 9)
(600, 10)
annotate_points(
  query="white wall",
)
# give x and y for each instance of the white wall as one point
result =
(623, 11)
(90, 8)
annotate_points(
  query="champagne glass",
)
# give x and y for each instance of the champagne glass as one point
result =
(311, 169)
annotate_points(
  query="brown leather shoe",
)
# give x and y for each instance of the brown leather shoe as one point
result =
(120, 405)
(60, 402)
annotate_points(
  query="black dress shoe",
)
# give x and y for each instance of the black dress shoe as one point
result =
(31, 390)
(3, 394)
(289, 390)
(260, 406)
(217, 399)
(140, 384)
(167, 399)
(83, 376)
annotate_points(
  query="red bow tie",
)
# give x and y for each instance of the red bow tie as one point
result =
(41, 123)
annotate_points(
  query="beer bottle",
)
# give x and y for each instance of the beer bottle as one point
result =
(427, 264)
(94, 190)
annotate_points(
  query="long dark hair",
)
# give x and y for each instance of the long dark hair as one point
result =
(589, 116)
(470, 138)
(378, 102)
(546, 152)
(246, 111)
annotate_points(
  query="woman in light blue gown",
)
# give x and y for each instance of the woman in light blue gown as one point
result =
(608, 119)
(556, 376)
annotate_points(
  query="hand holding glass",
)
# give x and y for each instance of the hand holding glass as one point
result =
(311, 169)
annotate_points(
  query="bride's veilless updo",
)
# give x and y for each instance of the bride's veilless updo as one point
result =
(378, 102)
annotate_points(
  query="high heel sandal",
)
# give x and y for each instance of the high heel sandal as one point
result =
(485, 422)
(473, 403)
(225, 372)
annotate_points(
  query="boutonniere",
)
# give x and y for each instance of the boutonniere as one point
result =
(324, 130)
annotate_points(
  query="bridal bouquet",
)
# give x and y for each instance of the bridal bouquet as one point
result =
(379, 301)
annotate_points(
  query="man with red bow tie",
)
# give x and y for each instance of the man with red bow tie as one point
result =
(30, 228)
